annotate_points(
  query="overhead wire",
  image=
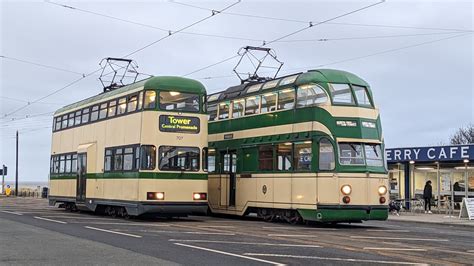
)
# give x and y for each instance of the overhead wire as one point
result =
(25, 101)
(40, 65)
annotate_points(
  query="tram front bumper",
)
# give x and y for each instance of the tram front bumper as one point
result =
(341, 213)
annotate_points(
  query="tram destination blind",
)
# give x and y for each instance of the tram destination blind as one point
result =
(467, 209)
(179, 124)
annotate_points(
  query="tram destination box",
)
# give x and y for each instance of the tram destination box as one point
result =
(179, 124)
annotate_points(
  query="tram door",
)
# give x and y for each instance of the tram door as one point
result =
(229, 166)
(81, 177)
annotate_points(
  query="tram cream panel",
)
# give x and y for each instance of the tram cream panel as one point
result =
(246, 190)
(175, 190)
(112, 189)
(63, 188)
(348, 111)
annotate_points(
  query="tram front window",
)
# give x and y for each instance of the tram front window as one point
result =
(179, 101)
(174, 158)
(373, 155)
(351, 154)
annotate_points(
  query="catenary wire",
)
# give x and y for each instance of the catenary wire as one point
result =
(40, 65)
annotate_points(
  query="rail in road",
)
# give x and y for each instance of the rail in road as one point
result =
(213, 240)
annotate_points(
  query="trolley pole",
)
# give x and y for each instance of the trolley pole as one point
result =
(16, 163)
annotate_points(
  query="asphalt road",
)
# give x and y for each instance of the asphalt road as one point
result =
(33, 233)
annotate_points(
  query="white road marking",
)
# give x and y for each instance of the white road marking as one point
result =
(16, 213)
(49, 220)
(216, 226)
(333, 259)
(281, 235)
(118, 223)
(395, 249)
(401, 238)
(189, 232)
(470, 251)
(294, 228)
(388, 230)
(113, 232)
(245, 243)
(229, 254)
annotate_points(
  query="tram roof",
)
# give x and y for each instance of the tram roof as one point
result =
(161, 82)
(316, 75)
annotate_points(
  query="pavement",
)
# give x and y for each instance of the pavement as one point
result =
(33, 233)
(432, 219)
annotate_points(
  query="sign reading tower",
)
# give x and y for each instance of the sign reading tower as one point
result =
(179, 124)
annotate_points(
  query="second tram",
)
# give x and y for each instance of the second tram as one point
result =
(305, 147)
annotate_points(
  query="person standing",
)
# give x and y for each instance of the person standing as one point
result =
(427, 195)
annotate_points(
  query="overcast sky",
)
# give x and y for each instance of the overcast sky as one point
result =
(423, 85)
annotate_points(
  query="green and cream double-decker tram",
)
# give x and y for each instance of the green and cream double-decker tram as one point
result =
(133, 150)
(305, 147)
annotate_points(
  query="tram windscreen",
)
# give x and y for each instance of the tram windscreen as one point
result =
(351, 154)
(179, 101)
(174, 158)
(373, 155)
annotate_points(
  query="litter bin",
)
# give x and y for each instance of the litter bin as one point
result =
(44, 193)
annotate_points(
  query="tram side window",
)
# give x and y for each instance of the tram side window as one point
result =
(265, 158)
(85, 115)
(62, 163)
(174, 158)
(56, 164)
(351, 154)
(71, 120)
(179, 101)
(326, 155)
(373, 155)
(103, 111)
(128, 158)
(74, 163)
(223, 111)
(150, 100)
(286, 99)
(122, 106)
(268, 102)
(284, 157)
(252, 105)
(64, 123)
(118, 159)
(238, 108)
(212, 112)
(58, 123)
(361, 95)
(108, 160)
(341, 93)
(140, 100)
(94, 113)
(112, 108)
(132, 104)
(147, 157)
(211, 160)
(77, 118)
(68, 164)
(310, 95)
(303, 156)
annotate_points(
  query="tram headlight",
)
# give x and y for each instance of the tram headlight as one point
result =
(382, 190)
(160, 195)
(346, 189)
(155, 195)
(200, 196)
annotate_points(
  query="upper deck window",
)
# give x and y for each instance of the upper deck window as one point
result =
(270, 84)
(310, 95)
(351, 154)
(268, 102)
(150, 100)
(85, 115)
(94, 113)
(341, 93)
(254, 88)
(224, 110)
(64, 122)
(288, 80)
(238, 108)
(132, 104)
(103, 111)
(286, 99)
(122, 106)
(373, 154)
(252, 105)
(212, 112)
(213, 97)
(179, 101)
(112, 108)
(361, 95)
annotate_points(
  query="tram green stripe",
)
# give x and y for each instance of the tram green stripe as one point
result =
(136, 175)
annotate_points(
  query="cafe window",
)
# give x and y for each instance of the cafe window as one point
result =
(147, 157)
(103, 111)
(238, 108)
(284, 157)
(341, 93)
(112, 108)
(150, 100)
(351, 154)
(132, 104)
(310, 95)
(326, 155)
(212, 112)
(122, 106)
(94, 113)
(252, 105)
(303, 156)
(85, 115)
(223, 111)
(173, 158)
(286, 99)
(268, 102)
(77, 118)
(179, 101)
(265, 158)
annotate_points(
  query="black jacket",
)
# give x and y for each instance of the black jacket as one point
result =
(428, 191)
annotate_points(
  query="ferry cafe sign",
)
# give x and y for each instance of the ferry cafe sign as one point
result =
(179, 124)
(426, 154)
